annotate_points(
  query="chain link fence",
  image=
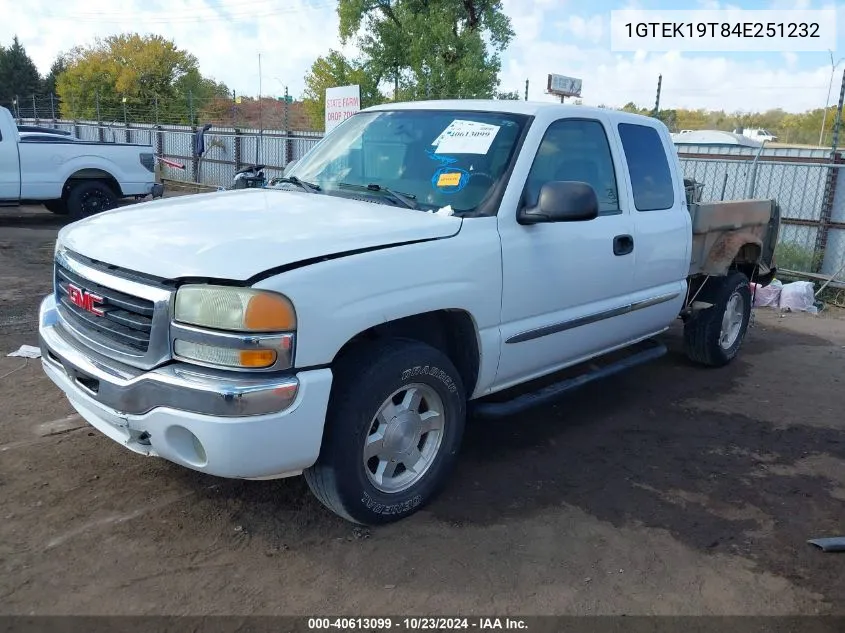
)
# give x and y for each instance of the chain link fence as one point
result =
(803, 182)
(226, 149)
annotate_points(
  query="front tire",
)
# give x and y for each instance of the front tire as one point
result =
(712, 337)
(394, 426)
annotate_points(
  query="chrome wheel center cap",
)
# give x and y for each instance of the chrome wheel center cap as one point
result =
(402, 433)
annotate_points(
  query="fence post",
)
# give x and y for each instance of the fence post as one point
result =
(238, 149)
(194, 157)
(126, 133)
(829, 188)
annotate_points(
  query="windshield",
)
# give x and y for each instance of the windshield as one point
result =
(435, 158)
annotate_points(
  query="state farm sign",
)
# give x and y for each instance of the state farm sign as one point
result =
(341, 103)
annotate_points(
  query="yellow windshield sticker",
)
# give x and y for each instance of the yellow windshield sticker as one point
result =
(448, 179)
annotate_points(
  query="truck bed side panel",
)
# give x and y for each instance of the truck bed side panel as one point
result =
(721, 229)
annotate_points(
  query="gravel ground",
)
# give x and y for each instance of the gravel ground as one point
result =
(668, 490)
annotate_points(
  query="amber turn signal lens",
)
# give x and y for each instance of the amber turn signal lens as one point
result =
(269, 313)
(257, 357)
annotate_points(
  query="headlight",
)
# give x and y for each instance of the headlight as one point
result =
(235, 309)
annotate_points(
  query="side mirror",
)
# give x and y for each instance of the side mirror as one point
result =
(562, 201)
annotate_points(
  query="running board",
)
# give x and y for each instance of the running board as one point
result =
(551, 392)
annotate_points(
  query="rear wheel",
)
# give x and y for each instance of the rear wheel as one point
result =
(393, 429)
(89, 197)
(713, 336)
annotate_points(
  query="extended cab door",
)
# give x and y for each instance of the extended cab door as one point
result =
(10, 178)
(565, 285)
(662, 222)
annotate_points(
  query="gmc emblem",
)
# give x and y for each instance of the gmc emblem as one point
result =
(84, 299)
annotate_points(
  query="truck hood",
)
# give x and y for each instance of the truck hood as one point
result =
(238, 234)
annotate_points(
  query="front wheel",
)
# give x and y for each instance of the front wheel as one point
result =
(714, 335)
(394, 426)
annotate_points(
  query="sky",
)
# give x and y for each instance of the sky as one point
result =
(568, 37)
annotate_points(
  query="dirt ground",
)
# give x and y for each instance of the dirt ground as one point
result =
(668, 490)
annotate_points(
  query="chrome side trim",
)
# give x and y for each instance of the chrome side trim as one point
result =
(159, 347)
(547, 330)
(131, 391)
(283, 344)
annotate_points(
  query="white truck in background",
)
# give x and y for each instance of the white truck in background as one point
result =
(420, 262)
(69, 176)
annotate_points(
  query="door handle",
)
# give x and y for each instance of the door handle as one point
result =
(623, 244)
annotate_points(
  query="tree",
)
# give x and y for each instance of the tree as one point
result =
(48, 85)
(157, 80)
(513, 95)
(444, 49)
(18, 76)
(335, 70)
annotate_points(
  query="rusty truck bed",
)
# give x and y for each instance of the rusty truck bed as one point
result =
(725, 232)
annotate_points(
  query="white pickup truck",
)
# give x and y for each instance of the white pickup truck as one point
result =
(415, 266)
(69, 176)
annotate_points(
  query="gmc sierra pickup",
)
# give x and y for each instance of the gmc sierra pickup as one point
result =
(415, 266)
(69, 176)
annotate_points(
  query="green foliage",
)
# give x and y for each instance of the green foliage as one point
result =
(18, 74)
(335, 70)
(513, 95)
(48, 85)
(428, 49)
(801, 128)
(143, 70)
(792, 256)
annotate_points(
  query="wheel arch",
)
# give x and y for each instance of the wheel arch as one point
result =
(452, 331)
(91, 173)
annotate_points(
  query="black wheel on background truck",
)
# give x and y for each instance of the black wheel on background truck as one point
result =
(713, 336)
(59, 207)
(394, 425)
(89, 197)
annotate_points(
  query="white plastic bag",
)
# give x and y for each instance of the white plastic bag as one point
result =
(799, 295)
(768, 296)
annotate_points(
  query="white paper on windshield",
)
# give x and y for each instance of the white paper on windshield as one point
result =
(466, 137)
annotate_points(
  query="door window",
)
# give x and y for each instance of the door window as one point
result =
(575, 149)
(651, 179)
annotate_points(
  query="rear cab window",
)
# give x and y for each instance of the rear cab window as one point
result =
(651, 178)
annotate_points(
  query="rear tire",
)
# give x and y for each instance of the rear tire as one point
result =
(393, 429)
(89, 197)
(713, 336)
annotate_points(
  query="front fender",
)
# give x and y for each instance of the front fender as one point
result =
(337, 299)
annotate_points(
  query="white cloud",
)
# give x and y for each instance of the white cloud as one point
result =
(590, 29)
(227, 35)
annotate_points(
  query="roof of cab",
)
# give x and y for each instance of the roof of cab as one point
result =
(509, 106)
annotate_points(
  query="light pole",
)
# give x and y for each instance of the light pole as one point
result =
(829, 86)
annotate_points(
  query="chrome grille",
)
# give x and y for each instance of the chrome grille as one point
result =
(134, 323)
(126, 321)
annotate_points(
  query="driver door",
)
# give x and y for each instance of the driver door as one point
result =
(565, 284)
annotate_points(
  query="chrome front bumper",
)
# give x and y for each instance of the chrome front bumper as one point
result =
(179, 386)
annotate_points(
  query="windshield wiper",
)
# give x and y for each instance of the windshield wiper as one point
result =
(307, 186)
(405, 199)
